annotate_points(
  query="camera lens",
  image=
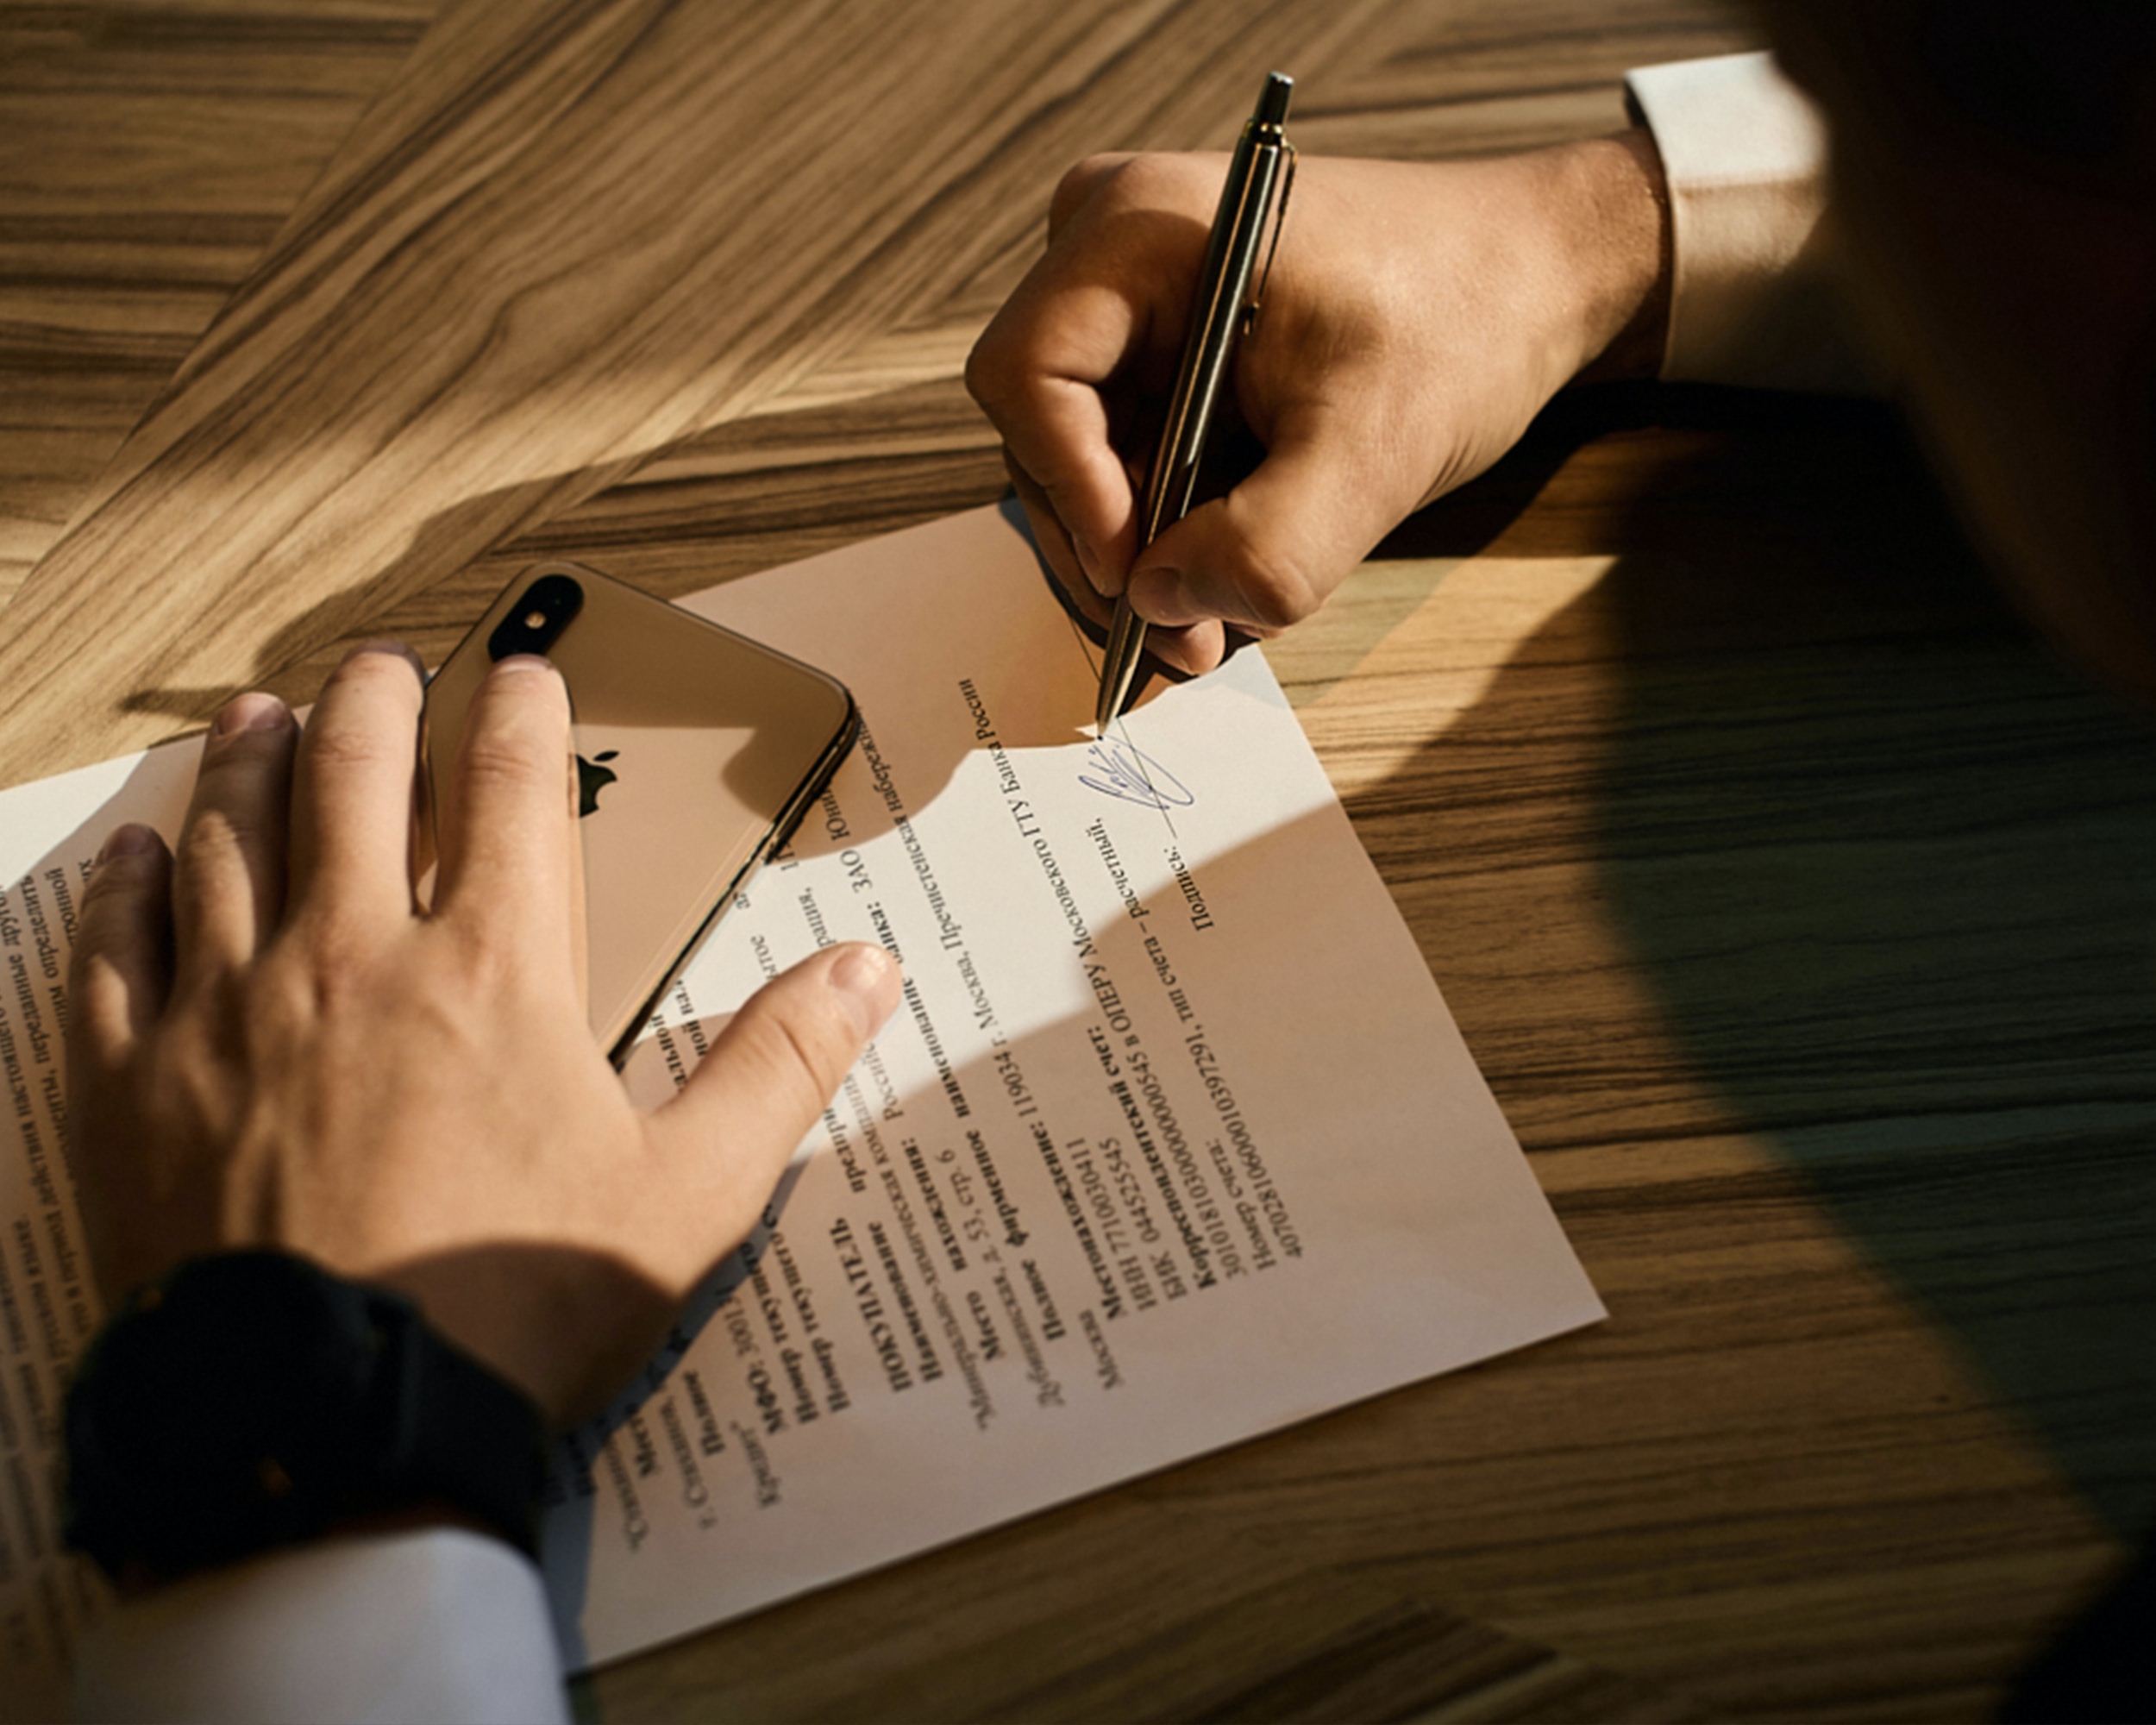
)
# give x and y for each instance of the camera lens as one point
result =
(534, 622)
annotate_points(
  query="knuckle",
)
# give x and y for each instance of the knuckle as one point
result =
(522, 712)
(1151, 179)
(803, 1058)
(342, 748)
(475, 963)
(816, 1059)
(284, 1002)
(1082, 181)
(1073, 190)
(115, 887)
(493, 764)
(1278, 590)
(329, 944)
(214, 840)
(206, 1034)
(988, 368)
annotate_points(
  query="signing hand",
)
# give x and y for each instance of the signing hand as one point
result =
(1417, 317)
(269, 1046)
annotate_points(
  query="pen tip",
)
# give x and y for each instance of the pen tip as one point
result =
(1272, 101)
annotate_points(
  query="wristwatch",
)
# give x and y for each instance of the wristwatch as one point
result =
(253, 1399)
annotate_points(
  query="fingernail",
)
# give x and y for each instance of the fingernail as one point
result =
(252, 712)
(396, 650)
(131, 840)
(866, 980)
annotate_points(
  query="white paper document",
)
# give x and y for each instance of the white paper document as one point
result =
(1170, 1142)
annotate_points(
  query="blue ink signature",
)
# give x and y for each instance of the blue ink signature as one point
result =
(1124, 770)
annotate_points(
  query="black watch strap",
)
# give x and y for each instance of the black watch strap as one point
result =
(253, 1399)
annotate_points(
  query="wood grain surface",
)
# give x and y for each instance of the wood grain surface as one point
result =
(1794, 901)
(573, 231)
(148, 156)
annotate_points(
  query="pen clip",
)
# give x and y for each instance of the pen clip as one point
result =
(1279, 220)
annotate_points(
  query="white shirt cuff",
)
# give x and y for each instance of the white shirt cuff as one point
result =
(435, 1625)
(1754, 298)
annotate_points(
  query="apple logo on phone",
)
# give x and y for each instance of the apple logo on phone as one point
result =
(591, 778)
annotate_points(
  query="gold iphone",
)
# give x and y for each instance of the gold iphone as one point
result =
(698, 752)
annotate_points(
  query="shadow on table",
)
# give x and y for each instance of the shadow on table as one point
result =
(1894, 894)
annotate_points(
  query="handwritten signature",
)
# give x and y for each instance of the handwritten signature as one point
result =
(1125, 771)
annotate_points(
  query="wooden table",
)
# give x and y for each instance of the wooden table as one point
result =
(1797, 906)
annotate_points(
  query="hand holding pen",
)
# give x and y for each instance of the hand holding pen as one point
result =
(1251, 200)
(1415, 319)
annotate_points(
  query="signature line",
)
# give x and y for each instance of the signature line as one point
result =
(1123, 770)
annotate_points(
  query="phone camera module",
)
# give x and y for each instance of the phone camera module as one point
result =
(542, 611)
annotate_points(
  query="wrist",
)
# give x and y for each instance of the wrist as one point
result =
(1613, 220)
(251, 1400)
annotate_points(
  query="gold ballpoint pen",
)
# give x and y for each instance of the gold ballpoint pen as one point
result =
(1263, 165)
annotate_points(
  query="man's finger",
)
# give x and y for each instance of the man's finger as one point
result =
(120, 973)
(1196, 649)
(770, 1074)
(228, 880)
(1053, 540)
(1032, 380)
(352, 790)
(1077, 187)
(510, 825)
(1105, 307)
(1271, 552)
